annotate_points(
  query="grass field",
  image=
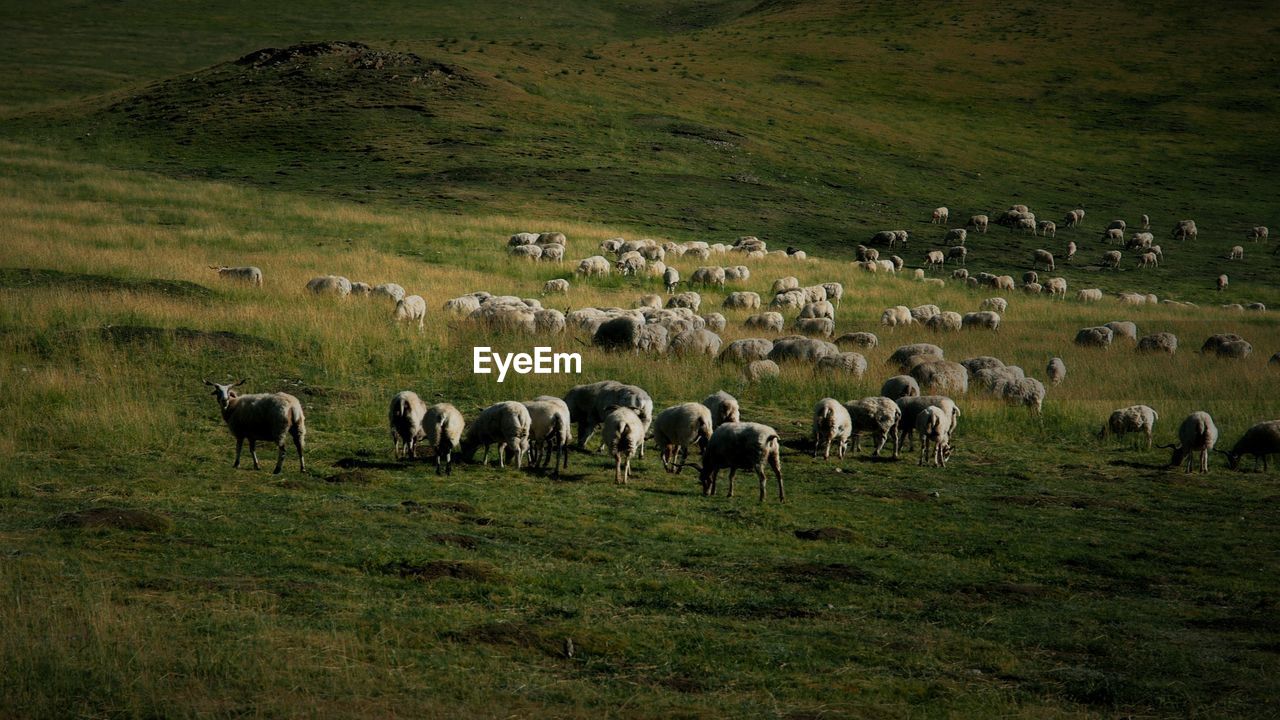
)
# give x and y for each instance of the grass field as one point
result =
(1042, 574)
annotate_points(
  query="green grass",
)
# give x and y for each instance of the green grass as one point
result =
(1043, 574)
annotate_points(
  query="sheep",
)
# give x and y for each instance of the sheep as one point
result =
(1258, 233)
(1027, 223)
(902, 355)
(695, 342)
(866, 254)
(1030, 276)
(848, 362)
(1004, 282)
(956, 235)
(742, 301)
(784, 284)
(911, 408)
(934, 258)
(1260, 440)
(506, 317)
(1161, 342)
(1223, 281)
(556, 238)
(741, 445)
(505, 424)
(858, 339)
(1132, 419)
(1032, 288)
(527, 252)
(522, 238)
(1234, 349)
(549, 432)
(653, 253)
(998, 304)
(897, 263)
(1118, 225)
(899, 315)
(631, 263)
(691, 300)
(1113, 235)
(978, 223)
(411, 308)
(815, 327)
(945, 322)
(261, 416)
(941, 376)
(1042, 257)
(653, 338)
(676, 429)
(1047, 228)
(1056, 371)
(1213, 342)
(723, 408)
(1236, 253)
(1123, 329)
(742, 272)
(594, 266)
(985, 320)
(361, 289)
(1095, 337)
(820, 309)
(1111, 259)
(1025, 391)
(958, 252)
(405, 418)
(623, 435)
(611, 245)
(746, 350)
(589, 403)
(769, 321)
(552, 253)
(795, 348)
(708, 276)
(1256, 307)
(1071, 251)
(1139, 241)
(982, 362)
(247, 274)
(960, 274)
(464, 305)
(442, 428)
(814, 293)
(916, 273)
(900, 238)
(559, 285)
(1185, 230)
(1147, 260)
(757, 370)
(932, 424)
(330, 285)
(884, 237)
(940, 216)
(878, 416)
(1072, 219)
(900, 386)
(831, 424)
(1196, 434)
(647, 301)
(835, 291)
(1131, 298)
(715, 322)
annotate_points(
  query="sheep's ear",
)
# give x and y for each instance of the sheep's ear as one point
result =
(239, 382)
(206, 382)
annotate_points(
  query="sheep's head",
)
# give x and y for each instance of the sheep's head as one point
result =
(223, 393)
(1233, 460)
(1179, 453)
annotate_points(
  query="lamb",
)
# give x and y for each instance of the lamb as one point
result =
(405, 418)
(1185, 230)
(1260, 440)
(978, 223)
(740, 445)
(442, 430)
(1042, 257)
(1135, 418)
(795, 348)
(986, 320)
(1095, 337)
(1161, 342)
(900, 386)
(549, 432)
(957, 235)
(911, 408)
(878, 416)
(831, 424)
(1047, 228)
(932, 424)
(330, 285)
(1223, 281)
(247, 274)
(742, 301)
(896, 316)
(1258, 233)
(815, 327)
(746, 350)
(723, 408)
(695, 342)
(677, 428)
(945, 322)
(858, 339)
(261, 416)
(848, 362)
(505, 424)
(411, 308)
(1196, 434)
(1056, 371)
(588, 405)
(940, 216)
(771, 321)
(623, 436)
(1111, 259)
(997, 304)
(941, 376)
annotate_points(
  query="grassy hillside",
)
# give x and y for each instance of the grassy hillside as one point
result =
(1041, 574)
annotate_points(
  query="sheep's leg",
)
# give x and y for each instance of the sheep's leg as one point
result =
(732, 472)
(763, 482)
(881, 437)
(253, 453)
(617, 468)
(502, 454)
(896, 441)
(280, 445)
(239, 444)
(626, 471)
(485, 460)
(448, 463)
(584, 434)
(776, 464)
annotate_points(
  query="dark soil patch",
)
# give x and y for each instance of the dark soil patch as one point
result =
(117, 518)
(29, 278)
(808, 571)
(468, 542)
(436, 569)
(359, 476)
(516, 634)
(350, 463)
(827, 533)
(450, 505)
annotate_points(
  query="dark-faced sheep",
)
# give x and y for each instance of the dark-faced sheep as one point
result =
(273, 417)
(741, 445)
(1260, 440)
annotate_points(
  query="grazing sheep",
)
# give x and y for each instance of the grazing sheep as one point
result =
(653, 338)
(902, 356)
(847, 362)
(960, 274)
(405, 418)
(1223, 281)
(900, 386)
(552, 238)
(789, 299)
(757, 370)
(941, 376)
(940, 216)
(247, 274)
(464, 305)
(442, 427)
(552, 253)
(1032, 288)
(864, 340)
(1025, 391)
(1042, 257)
(549, 432)
(831, 424)
(1161, 342)
(784, 284)
(770, 321)
(527, 252)
(1073, 218)
(1004, 282)
(934, 258)
(935, 439)
(1118, 225)
(1237, 253)
(506, 317)
(1089, 295)
(1234, 349)
(1213, 342)
(708, 276)
(1056, 287)
(1123, 329)
(896, 316)
(522, 238)
(835, 291)
(679, 427)
(982, 362)
(623, 435)
(410, 309)
(815, 327)
(1147, 260)
(956, 235)
(747, 446)
(723, 408)
(1095, 337)
(361, 289)
(715, 322)
(1132, 419)
(594, 266)
(1256, 307)
(984, 320)
(1260, 440)
(1111, 259)
(866, 254)
(897, 263)
(589, 403)
(695, 342)
(978, 223)
(885, 237)
(746, 350)
(505, 424)
(648, 301)
(330, 285)
(916, 274)
(1047, 228)
(1196, 434)
(1146, 222)
(1026, 223)
(1030, 276)
(945, 322)
(742, 301)
(998, 304)
(559, 285)
(691, 300)
(911, 408)
(271, 417)
(878, 416)
(1056, 371)
(958, 252)
(820, 309)
(1071, 251)
(1113, 235)
(740, 272)
(1258, 233)
(795, 348)
(1185, 230)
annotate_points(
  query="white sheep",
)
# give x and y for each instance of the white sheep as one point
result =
(410, 309)
(997, 304)
(876, 415)
(935, 437)
(1237, 253)
(505, 424)
(1197, 434)
(623, 435)
(831, 425)
(330, 284)
(911, 408)
(742, 301)
(670, 278)
(897, 316)
(1132, 419)
(984, 319)
(405, 418)
(247, 274)
(978, 222)
(678, 428)
(442, 427)
(1056, 371)
(940, 216)
(724, 408)
(1042, 257)
(1223, 281)
(271, 417)
(549, 432)
(558, 285)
